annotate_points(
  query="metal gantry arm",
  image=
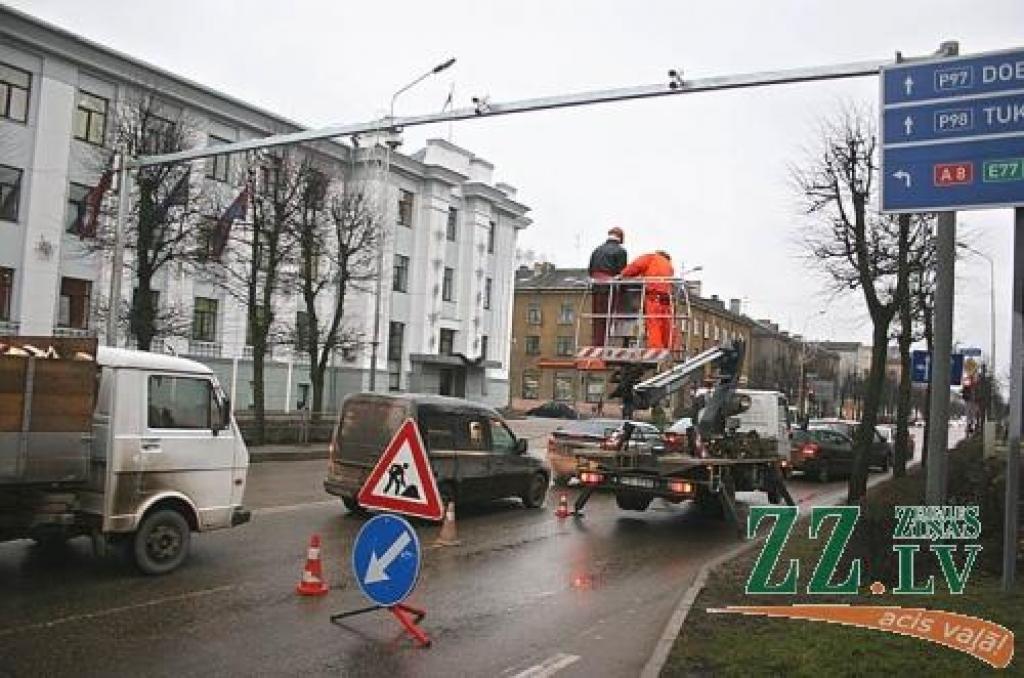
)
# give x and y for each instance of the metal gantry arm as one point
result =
(668, 382)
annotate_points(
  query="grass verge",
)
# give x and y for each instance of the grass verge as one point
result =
(734, 645)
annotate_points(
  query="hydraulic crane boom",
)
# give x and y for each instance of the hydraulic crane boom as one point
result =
(728, 358)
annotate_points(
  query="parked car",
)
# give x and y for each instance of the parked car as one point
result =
(599, 434)
(675, 436)
(880, 455)
(821, 452)
(554, 410)
(473, 453)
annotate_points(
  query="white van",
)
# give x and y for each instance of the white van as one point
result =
(767, 418)
(120, 445)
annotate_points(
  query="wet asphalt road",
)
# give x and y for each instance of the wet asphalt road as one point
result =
(524, 588)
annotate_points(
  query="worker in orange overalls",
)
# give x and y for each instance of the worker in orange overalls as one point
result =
(657, 299)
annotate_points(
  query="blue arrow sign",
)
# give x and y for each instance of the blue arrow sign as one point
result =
(990, 116)
(953, 78)
(921, 367)
(953, 133)
(386, 559)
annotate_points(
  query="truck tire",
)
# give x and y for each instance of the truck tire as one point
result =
(536, 492)
(632, 502)
(708, 503)
(162, 541)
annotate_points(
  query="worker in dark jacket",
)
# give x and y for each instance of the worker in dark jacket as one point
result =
(606, 261)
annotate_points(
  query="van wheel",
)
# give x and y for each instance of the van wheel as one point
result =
(537, 492)
(353, 506)
(162, 542)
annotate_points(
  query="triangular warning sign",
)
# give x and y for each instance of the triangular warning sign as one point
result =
(402, 481)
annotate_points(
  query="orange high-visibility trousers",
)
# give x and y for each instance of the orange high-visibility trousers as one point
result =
(658, 320)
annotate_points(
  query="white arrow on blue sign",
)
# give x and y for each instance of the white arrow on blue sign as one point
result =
(386, 559)
(921, 367)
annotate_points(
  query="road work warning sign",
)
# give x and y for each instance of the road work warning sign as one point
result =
(402, 481)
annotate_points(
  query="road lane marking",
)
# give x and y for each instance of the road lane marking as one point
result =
(114, 610)
(549, 666)
(271, 510)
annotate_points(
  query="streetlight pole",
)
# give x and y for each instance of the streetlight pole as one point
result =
(385, 191)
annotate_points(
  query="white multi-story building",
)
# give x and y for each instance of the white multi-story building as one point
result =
(448, 259)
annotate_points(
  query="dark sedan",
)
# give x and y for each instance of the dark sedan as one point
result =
(880, 455)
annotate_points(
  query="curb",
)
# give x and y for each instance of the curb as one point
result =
(256, 456)
(654, 665)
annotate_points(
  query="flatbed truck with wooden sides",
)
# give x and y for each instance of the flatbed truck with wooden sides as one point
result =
(127, 447)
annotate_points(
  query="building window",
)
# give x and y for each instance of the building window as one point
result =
(564, 390)
(490, 236)
(593, 388)
(204, 319)
(533, 345)
(563, 346)
(15, 85)
(533, 314)
(566, 314)
(76, 208)
(158, 136)
(396, 337)
(6, 292)
(453, 221)
(10, 192)
(91, 118)
(483, 346)
(400, 274)
(531, 386)
(405, 208)
(448, 285)
(447, 344)
(74, 303)
(488, 285)
(302, 335)
(270, 175)
(218, 167)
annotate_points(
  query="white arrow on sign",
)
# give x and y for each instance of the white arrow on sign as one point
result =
(908, 84)
(376, 570)
(908, 125)
(900, 175)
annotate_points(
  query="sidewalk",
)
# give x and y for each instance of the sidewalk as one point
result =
(297, 452)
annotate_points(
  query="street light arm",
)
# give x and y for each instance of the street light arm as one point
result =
(433, 71)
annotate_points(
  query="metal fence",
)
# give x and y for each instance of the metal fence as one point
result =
(284, 428)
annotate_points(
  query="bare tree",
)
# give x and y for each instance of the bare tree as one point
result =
(258, 261)
(160, 228)
(337, 238)
(854, 246)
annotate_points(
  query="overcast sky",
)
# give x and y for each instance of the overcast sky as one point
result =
(705, 176)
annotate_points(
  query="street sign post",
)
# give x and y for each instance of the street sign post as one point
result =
(386, 562)
(953, 133)
(921, 368)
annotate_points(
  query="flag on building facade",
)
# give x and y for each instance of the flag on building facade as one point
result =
(236, 210)
(178, 195)
(89, 214)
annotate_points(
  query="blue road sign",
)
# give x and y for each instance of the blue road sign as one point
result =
(386, 559)
(921, 367)
(953, 133)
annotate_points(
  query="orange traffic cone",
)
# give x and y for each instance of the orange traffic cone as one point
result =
(449, 534)
(312, 582)
(563, 507)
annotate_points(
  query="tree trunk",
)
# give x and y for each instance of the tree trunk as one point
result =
(872, 397)
(903, 451)
(141, 314)
(929, 345)
(259, 350)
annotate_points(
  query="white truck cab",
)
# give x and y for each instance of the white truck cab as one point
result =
(160, 455)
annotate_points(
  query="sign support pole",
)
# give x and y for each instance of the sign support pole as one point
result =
(938, 410)
(1010, 525)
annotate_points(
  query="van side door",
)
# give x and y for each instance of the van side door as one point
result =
(512, 471)
(185, 446)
